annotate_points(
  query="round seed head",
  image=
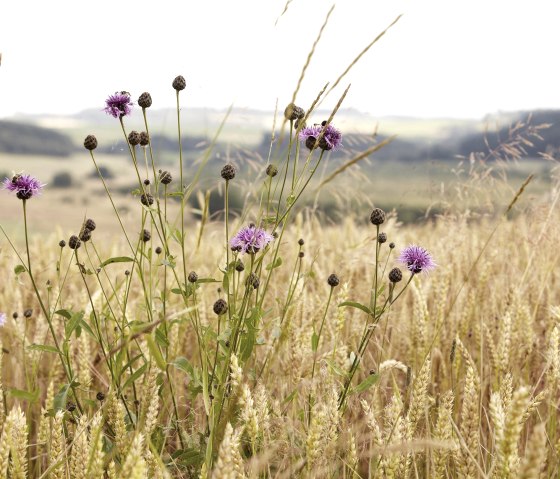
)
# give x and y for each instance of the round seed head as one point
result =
(15, 315)
(90, 143)
(333, 280)
(220, 307)
(293, 112)
(74, 242)
(158, 250)
(239, 266)
(144, 139)
(179, 83)
(228, 172)
(85, 235)
(90, 224)
(165, 177)
(146, 236)
(28, 313)
(62, 243)
(192, 277)
(134, 138)
(382, 238)
(146, 199)
(70, 406)
(392, 245)
(100, 396)
(377, 216)
(301, 242)
(145, 100)
(301, 254)
(271, 170)
(126, 273)
(395, 275)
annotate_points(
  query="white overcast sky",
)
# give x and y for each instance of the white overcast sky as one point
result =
(453, 58)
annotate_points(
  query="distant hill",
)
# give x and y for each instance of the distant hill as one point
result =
(28, 139)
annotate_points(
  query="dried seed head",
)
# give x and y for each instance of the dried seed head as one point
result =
(239, 266)
(301, 242)
(90, 224)
(301, 254)
(228, 172)
(85, 235)
(271, 170)
(253, 280)
(146, 181)
(392, 245)
(395, 275)
(310, 142)
(146, 236)
(220, 307)
(333, 280)
(377, 216)
(145, 100)
(179, 83)
(126, 273)
(28, 313)
(382, 238)
(146, 199)
(90, 143)
(100, 396)
(192, 277)
(70, 406)
(15, 315)
(134, 138)
(74, 242)
(62, 243)
(158, 250)
(165, 177)
(293, 112)
(144, 139)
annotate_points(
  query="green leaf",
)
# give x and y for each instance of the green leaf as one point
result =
(134, 376)
(365, 384)
(188, 457)
(155, 352)
(20, 269)
(59, 401)
(31, 396)
(337, 369)
(116, 259)
(73, 323)
(314, 341)
(277, 262)
(354, 304)
(64, 313)
(182, 364)
(42, 347)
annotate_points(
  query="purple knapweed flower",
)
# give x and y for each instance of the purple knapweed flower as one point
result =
(118, 105)
(250, 239)
(331, 139)
(25, 186)
(2, 319)
(417, 259)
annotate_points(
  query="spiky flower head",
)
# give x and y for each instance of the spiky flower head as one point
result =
(74, 242)
(331, 139)
(377, 216)
(333, 280)
(90, 143)
(134, 138)
(250, 239)
(395, 275)
(2, 319)
(24, 186)
(90, 224)
(228, 172)
(118, 105)
(179, 83)
(146, 199)
(220, 307)
(193, 277)
(165, 177)
(145, 100)
(293, 112)
(417, 259)
(144, 139)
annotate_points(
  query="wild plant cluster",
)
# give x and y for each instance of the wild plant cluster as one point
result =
(271, 345)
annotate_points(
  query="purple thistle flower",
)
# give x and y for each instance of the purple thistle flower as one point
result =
(25, 186)
(250, 239)
(331, 140)
(417, 259)
(2, 319)
(118, 105)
